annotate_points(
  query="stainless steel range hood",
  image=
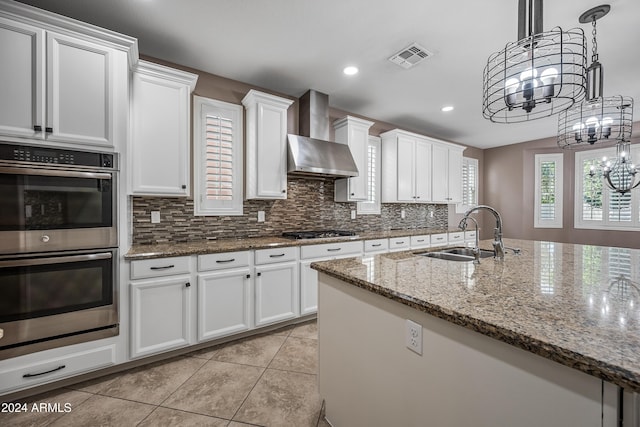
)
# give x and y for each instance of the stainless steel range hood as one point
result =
(311, 154)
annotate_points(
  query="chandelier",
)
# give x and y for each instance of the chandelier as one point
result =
(621, 175)
(537, 76)
(598, 118)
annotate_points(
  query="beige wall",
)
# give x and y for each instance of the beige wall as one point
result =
(509, 187)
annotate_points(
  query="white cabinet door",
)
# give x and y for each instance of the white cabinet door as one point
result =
(440, 171)
(455, 176)
(224, 303)
(355, 133)
(422, 168)
(276, 293)
(406, 172)
(22, 82)
(447, 174)
(308, 288)
(266, 133)
(160, 315)
(79, 91)
(160, 114)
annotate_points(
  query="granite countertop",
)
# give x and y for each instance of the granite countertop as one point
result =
(164, 250)
(578, 305)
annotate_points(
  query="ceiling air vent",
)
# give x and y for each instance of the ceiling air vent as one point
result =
(410, 56)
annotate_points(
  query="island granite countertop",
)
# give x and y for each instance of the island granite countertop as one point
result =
(578, 305)
(171, 249)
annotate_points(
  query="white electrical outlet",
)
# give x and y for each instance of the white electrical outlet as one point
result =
(353, 214)
(413, 336)
(260, 216)
(155, 217)
(403, 214)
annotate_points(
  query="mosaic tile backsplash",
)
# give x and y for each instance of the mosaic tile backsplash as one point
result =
(309, 206)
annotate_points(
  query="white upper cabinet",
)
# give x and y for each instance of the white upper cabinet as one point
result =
(62, 81)
(355, 133)
(447, 173)
(160, 117)
(266, 153)
(406, 168)
(22, 82)
(419, 169)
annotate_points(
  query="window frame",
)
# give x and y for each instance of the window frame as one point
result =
(466, 162)
(202, 207)
(372, 207)
(557, 222)
(605, 223)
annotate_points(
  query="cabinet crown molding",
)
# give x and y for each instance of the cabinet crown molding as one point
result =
(164, 72)
(352, 120)
(253, 97)
(61, 24)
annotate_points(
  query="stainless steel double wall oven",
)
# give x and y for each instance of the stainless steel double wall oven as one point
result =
(58, 247)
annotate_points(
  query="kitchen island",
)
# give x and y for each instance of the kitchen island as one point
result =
(547, 337)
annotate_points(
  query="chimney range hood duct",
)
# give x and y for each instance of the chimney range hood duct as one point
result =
(311, 154)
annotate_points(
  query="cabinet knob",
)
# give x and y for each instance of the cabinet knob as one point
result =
(284, 191)
(184, 187)
(417, 197)
(248, 276)
(48, 130)
(37, 128)
(353, 194)
(188, 285)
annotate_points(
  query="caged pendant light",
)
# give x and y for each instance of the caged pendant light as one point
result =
(598, 118)
(537, 76)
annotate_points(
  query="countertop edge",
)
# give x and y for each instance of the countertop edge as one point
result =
(170, 249)
(602, 370)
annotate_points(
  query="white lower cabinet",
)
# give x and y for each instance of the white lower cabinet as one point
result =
(224, 294)
(309, 277)
(161, 309)
(224, 303)
(30, 374)
(399, 243)
(276, 285)
(160, 315)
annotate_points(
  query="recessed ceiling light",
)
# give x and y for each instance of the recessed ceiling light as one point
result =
(350, 71)
(447, 108)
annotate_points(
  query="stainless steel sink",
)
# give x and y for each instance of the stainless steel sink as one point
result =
(457, 254)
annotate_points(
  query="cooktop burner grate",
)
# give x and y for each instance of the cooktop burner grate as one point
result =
(317, 234)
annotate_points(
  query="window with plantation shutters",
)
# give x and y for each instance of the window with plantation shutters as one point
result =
(469, 185)
(218, 157)
(548, 191)
(372, 205)
(597, 206)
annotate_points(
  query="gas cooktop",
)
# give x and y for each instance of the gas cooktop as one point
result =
(318, 234)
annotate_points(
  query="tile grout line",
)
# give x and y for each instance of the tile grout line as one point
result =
(261, 375)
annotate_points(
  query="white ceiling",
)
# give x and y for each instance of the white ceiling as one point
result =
(290, 46)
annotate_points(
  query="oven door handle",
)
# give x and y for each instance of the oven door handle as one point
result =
(54, 260)
(54, 172)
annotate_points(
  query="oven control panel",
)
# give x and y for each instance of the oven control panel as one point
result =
(30, 154)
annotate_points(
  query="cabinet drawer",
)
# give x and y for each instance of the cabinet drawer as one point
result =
(271, 255)
(331, 249)
(458, 236)
(56, 368)
(148, 268)
(439, 239)
(377, 245)
(399, 243)
(470, 235)
(223, 260)
(420, 241)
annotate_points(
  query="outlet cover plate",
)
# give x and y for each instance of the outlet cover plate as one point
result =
(413, 336)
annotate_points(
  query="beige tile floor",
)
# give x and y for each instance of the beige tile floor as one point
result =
(266, 380)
